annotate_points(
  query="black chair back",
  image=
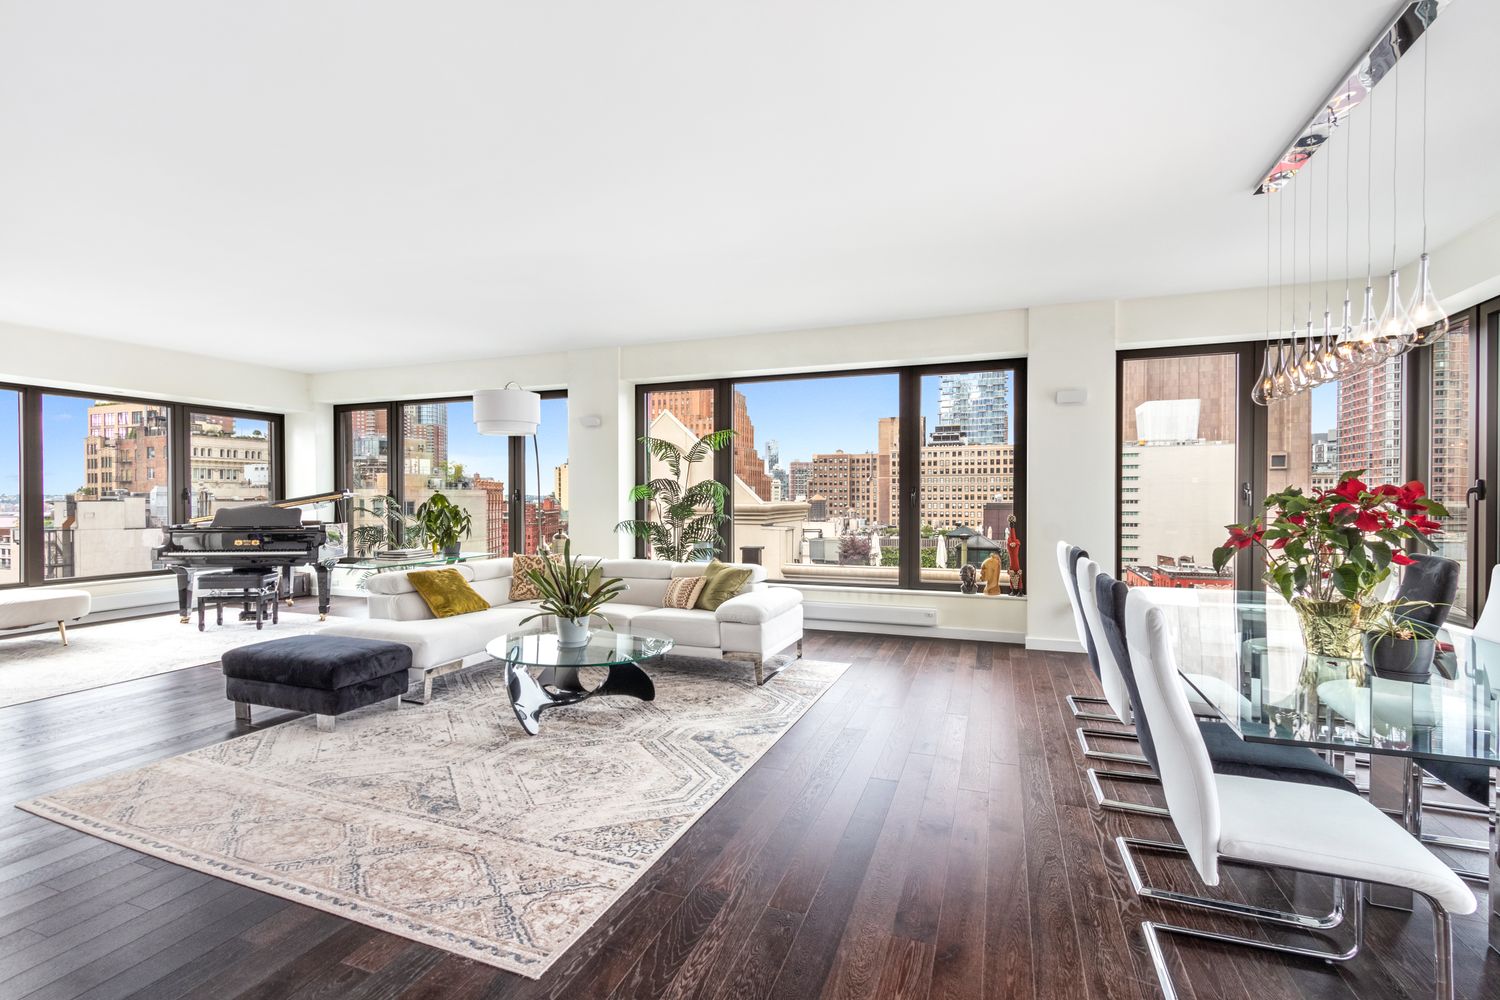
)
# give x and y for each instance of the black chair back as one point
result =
(1432, 581)
(1110, 594)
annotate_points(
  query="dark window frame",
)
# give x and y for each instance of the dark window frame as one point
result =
(909, 411)
(179, 461)
(1252, 438)
(515, 463)
(1416, 408)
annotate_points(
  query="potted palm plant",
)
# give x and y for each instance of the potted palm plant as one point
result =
(1328, 552)
(444, 524)
(688, 513)
(572, 591)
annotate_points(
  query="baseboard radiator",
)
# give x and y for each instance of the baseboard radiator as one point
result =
(815, 613)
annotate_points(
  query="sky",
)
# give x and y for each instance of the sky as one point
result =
(821, 415)
(1325, 407)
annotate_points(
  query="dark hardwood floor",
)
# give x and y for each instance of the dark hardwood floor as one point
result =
(924, 831)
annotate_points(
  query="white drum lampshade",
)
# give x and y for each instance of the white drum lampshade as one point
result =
(507, 411)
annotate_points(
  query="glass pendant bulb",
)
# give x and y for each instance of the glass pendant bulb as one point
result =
(1343, 347)
(1312, 371)
(1298, 373)
(1328, 359)
(1366, 351)
(1426, 312)
(1395, 332)
(1264, 390)
(1282, 378)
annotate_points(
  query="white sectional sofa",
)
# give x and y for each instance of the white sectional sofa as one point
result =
(754, 625)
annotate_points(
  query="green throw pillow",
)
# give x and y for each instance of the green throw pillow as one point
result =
(720, 583)
(446, 592)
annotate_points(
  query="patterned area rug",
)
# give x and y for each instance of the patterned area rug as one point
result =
(445, 823)
(37, 665)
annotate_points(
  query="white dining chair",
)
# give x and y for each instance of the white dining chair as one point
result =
(1269, 824)
(1068, 558)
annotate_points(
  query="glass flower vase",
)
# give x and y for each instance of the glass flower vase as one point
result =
(1332, 630)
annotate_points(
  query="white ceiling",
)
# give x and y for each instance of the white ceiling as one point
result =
(334, 185)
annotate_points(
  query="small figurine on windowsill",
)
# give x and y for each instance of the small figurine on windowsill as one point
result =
(968, 580)
(990, 571)
(1013, 549)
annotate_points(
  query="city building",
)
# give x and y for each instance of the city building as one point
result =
(799, 477)
(560, 486)
(694, 408)
(1176, 490)
(1369, 423)
(978, 404)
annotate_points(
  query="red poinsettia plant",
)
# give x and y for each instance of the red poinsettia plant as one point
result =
(1340, 543)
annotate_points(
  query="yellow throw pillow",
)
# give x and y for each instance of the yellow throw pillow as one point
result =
(446, 592)
(521, 587)
(682, 592)
(720, 583)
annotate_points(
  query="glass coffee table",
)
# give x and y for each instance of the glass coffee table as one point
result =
(557, 683)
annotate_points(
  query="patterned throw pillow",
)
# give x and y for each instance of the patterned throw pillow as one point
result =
(682, 592)
(521, 587)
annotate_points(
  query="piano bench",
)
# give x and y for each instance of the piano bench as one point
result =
(247, 587)
(322, 675)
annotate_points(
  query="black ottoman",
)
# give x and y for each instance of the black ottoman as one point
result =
(323, 675)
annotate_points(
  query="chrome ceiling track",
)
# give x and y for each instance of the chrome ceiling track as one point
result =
(1393, 42)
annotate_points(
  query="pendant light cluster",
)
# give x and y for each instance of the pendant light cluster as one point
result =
(1301, 356)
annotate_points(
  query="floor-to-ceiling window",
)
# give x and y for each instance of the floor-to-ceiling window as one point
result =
(106, 485)
(1429, 415)
(394, 456)
(1182, 454)
(230, 458)
(841, 523)
(88, 483)
(10, 487)
(891, 478)
(546, 515)
(677, 416)
(966, 470)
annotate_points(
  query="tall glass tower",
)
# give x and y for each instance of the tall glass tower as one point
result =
(978, 404)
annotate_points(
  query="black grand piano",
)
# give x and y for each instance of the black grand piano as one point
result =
(262, 537)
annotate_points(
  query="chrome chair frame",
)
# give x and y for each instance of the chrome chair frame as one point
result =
(1083, 733)
(1151, 929)
(1097, 778)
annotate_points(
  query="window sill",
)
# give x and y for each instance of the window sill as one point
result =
(835, 588)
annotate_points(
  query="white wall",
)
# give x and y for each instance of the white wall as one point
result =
(89, 364)
(1070, 456)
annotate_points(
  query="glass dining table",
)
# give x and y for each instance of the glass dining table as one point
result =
(1266, 686)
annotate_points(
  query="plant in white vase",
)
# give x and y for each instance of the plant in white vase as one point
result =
(572, 591)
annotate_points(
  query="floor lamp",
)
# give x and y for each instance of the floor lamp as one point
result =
(509, 412)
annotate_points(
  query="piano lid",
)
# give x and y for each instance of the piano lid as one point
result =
(295, 503)
(258, 516)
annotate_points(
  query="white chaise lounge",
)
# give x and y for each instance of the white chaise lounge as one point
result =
(33, 606)
(754, 625)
